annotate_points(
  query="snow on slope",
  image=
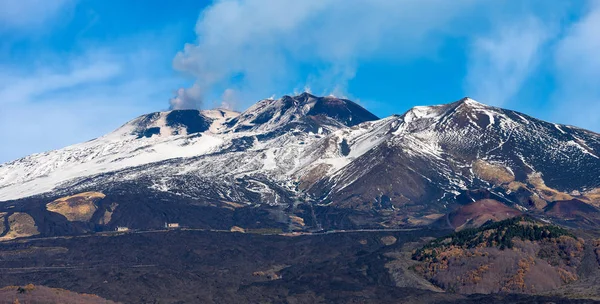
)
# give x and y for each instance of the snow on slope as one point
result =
(232, 137)
(284, 140)
(120, 149)
(433, 149)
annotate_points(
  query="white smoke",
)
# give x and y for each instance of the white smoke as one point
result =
(229, 100)
(190, 98)
(258, 47)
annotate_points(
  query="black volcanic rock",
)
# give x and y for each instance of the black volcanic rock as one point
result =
(192, 120)
(149, 132)
(143, 125)
(343, 110)
(179, 121)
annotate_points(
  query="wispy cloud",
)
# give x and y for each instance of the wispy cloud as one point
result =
(31, 86)
(258, 47)
(75, 98)
(30, 14)
(500, 62)
(577, 100)
(54, 96)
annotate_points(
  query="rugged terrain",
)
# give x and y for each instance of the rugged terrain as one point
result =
(514, 255)
(317, 167)
(185, 266)
(322, 159)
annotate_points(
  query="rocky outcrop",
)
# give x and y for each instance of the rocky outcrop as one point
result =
(20, 225)
(78, 207)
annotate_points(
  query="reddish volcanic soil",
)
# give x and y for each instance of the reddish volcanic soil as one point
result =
(570, 208)
(478, 213)
(41, 294)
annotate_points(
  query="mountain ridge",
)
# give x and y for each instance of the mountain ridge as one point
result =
(322, 152)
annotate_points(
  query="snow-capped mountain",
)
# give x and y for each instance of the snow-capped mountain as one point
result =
(432, 155)
(146, 139)
(262, 131)
(325, 151)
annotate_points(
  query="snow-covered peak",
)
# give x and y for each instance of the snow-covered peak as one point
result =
(146, 139)
(471, 102)
(220, 113)
(296, 134)
(220, 118)
(466, 103)
(176, 122)
(463, 113)
(305, 111)
(420, 112)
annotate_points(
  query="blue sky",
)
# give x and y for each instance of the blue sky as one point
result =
(72, 70)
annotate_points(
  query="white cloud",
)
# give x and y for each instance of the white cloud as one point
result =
(263, 46)
(54, 95)
(29, 14)
(501, 62)
(577, 100)
(25, 88)
(74, 99)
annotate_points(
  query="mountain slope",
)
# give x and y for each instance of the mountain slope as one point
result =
(322, 159)
(146, 139)
(304, 112)
(431, 156)
(157, 137)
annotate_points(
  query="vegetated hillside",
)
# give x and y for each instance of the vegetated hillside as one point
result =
(515, 255)
(31, 294)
